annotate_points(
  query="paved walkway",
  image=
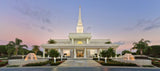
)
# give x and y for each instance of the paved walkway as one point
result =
(80, 63)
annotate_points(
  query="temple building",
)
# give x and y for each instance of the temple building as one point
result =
(79, 44)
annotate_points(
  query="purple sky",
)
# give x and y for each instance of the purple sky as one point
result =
(122, 21)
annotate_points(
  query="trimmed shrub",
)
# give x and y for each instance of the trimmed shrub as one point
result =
(12, 65)
(57, 59)
(156, 63)
(147, 66)
(115, 63)
(102, 59)
(3, 63)
(55, 64)
(37, 64)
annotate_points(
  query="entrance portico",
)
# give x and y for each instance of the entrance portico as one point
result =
(78, 51)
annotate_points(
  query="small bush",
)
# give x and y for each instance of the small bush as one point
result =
(3, 63)
(102, 59)
(37, 64)
(58, 59)
(12, 65)
(156, 63)
(55, 64)
(115, 63)
(147, 66)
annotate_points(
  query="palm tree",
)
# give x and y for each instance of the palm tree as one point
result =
(141, 45)
(51, 41)
(35, 48)
(17, 45)
(10, 49)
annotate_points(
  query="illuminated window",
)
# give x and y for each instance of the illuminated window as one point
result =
(79, 42)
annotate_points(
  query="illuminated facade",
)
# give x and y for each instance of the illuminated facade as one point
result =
(79, 44)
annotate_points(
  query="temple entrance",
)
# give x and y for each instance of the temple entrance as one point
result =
(80, 53)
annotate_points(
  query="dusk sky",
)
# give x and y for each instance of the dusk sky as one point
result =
(121, 21)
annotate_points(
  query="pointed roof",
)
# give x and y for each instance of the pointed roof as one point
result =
(79, 25)
(79, 19)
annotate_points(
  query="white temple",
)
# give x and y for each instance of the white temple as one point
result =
(79, 44)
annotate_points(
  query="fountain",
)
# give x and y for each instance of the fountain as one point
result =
(128, 56)
(31, 56)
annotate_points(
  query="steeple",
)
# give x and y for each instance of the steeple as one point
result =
(79, 25)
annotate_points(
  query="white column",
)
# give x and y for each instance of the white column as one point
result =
(84, 52)
(43, 52)
(98, 52)
(87, 41)
(72, 41)
(61, 53)
(59, 50)
(75, 55)
(116, 53)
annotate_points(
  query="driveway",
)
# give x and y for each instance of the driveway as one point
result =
(79, 63)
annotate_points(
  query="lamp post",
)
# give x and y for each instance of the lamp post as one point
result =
(105, 59)
(54, 60)
(48, 56)
(98, 58)
(61, 58)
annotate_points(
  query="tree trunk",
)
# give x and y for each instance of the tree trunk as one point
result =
(16, 50)
(141, 51)
(36, 52)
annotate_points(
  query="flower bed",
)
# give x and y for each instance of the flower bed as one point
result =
(57, 59)
(156, 62)
(115, 63)
(147, 66)
(51, 63)
(12, 65)
(37, 64)
(55, 64)
(3, 63)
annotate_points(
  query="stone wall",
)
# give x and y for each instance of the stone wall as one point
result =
(136, 61)
(23, 62)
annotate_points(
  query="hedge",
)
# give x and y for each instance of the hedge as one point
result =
(3, 63)
(12, 65)
(55, 64)
(116, 63)
(37, 64)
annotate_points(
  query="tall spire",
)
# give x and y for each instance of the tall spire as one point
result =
(79, 25)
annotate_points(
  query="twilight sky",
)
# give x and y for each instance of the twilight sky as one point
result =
(122, 21)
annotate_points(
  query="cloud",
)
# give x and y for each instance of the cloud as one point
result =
(3, 42)
(120, 42)
(40, 15)
(146, 25)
